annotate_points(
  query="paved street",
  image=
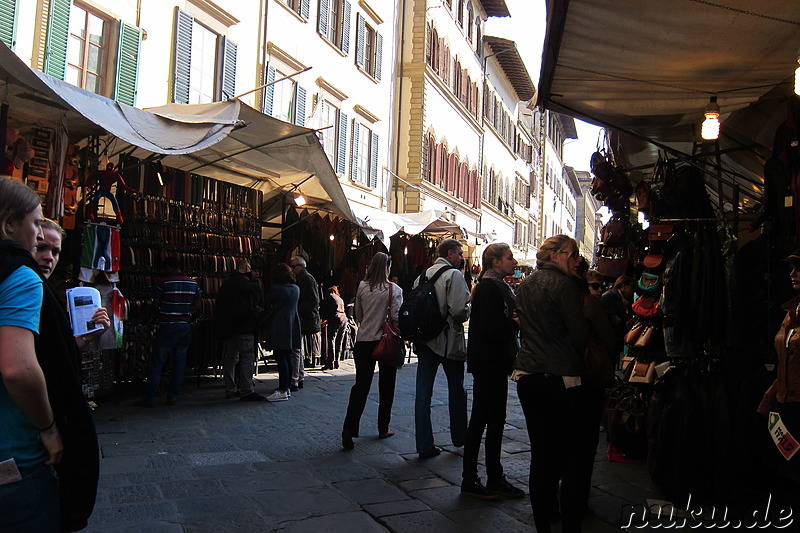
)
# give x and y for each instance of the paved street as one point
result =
(215, 465)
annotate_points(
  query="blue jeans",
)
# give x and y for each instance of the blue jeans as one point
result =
(170, 339)
(31, 504)
(427, 365)
(284, 360)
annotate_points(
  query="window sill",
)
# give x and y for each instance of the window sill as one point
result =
(329, 43)
(368, 75)
(359, 185)
(292, 11)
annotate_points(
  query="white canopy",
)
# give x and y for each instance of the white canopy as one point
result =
(382, 225)
(229, 141)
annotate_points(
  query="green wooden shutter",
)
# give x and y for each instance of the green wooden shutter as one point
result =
(361, 29)
(300, 106)
(304, 8)
(130, 39)
(269, 93)
(228, 69)
(322, 17)
(341, 154)
(346, 28)
(354, 153)
(182, 59)
(55, 51)
(373, 161)
(8, 22)
(378, 55)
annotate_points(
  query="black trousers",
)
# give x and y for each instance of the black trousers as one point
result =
(556, 418)
(489, 397)
(365, 369)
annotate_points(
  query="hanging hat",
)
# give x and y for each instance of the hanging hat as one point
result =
(793, 257)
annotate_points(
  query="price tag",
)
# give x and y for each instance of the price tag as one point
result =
(788, 201)
(784, 440)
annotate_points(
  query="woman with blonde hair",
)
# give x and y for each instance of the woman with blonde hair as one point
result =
(375, 293)
(491, 348)
(548, 370)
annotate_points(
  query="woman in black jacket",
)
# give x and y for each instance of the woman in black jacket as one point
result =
(491, 349)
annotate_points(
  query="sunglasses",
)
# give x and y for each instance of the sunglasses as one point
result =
(597, 286)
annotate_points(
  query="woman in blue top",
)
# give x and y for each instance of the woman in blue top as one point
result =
(29, 441)
(283, 326)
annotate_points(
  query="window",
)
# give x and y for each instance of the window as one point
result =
(204, 63)
(86, 51)
(364, 156)
(333, 23)
(284, 99)
(298, 6)
(369, 48)
(329, 121)
(78, 41)
(460, 13)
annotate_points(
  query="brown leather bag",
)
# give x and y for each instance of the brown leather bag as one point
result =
(643, 372)
(659, 232)
(634, 333)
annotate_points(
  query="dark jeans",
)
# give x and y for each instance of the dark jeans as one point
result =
(556, 419)
(284, 360)
(365, 369)
(427, 365)
(171, 338)
(595, 400)
(31, 504)
(489, 397)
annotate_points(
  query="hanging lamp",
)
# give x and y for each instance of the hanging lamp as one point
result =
(797, 77)
(710, 131)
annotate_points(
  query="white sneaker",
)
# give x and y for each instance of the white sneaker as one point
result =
(277, 396)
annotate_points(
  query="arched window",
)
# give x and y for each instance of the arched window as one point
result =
(469, 22)
(478, 43)
(433, 50)
(460, 13)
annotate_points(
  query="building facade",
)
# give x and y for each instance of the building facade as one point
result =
(558, 193)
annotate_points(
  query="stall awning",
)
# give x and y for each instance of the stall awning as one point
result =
(648, 70)
(382, 225)
(229, 140)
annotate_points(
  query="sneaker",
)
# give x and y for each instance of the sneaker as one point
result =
(433, 452)
(476, 489)
(502, 487)
(277, 396)
(252, 397)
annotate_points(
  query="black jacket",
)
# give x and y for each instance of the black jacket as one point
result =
(554, 331)
(492, 343)
(308, 306)
(60, 360)
(235, 309)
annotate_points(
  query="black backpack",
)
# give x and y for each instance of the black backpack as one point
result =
(420, 318)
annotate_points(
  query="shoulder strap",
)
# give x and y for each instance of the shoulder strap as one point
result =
(389, 304)
(440, 272)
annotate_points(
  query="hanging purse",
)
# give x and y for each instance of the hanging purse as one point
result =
(646, 338)
(659, 232)
(643, 373)
(649, 282)
(390, 348)
(645, 307)
(633, 334)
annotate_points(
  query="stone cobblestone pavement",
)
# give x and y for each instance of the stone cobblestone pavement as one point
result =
(214, 465)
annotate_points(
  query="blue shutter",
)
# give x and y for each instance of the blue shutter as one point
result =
(130, 40)
(373, 161)
(270, 90)
(346, 28)
(322, 17)
(354, 153)
(228, 69)
(183, 56)
(300, 107)
(8, 22)
(378, 55)
(304, 8)
(55, 52)
(341, 153)
(362, 30)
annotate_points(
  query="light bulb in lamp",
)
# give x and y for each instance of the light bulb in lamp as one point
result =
(300, 200)
(710, 131)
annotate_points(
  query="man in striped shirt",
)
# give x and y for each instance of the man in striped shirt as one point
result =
(175, 297)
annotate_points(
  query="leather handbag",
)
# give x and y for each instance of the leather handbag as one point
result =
(646, 338)
(634, 333)
(390, 348)
(645, 307)
(659, 232)
(643, 372)
(614, 232)
(612, 267)
(649, 282)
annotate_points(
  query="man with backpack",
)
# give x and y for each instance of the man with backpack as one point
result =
(447, 348)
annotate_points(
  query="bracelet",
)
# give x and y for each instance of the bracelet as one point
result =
(53, 423)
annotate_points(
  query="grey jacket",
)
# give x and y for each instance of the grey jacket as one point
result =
(554, 331)
(453, 296)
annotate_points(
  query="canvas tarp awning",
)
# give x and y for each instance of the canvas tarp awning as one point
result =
(229, 141)
(382, 225)
(648, 70)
